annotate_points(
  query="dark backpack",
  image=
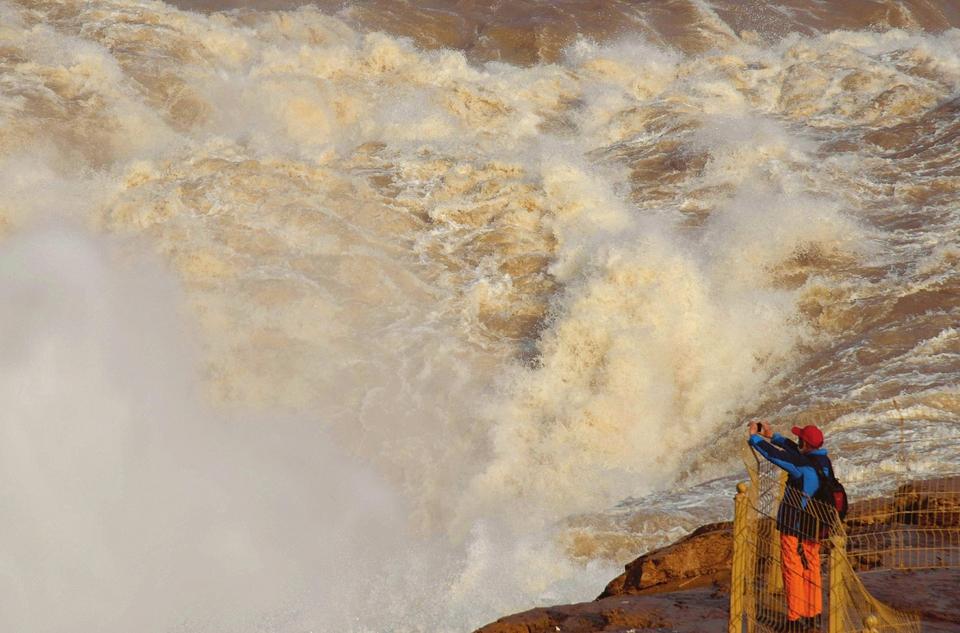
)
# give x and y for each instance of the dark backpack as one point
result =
(830, 491)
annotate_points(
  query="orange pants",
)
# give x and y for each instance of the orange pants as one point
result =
(801, 577)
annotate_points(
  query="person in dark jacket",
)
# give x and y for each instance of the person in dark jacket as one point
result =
(799, 517)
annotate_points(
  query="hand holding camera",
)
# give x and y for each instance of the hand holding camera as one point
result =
(760, 427)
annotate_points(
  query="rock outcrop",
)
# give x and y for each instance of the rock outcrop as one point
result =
(700, 559)
(931, 503)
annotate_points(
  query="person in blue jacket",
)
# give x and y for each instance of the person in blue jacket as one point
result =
(799, 517)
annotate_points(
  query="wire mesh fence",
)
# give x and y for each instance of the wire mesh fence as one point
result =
(915, 527)
(797, 566)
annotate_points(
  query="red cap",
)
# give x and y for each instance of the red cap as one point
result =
(809, 434)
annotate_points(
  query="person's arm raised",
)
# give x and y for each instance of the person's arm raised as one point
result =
(769, 451)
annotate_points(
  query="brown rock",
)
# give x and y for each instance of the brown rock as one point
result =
(702, 558)
(931, 593)
(930, 503)
(698, 610)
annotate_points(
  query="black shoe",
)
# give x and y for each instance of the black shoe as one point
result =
(812, 624)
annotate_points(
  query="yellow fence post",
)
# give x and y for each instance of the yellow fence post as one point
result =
(737, 568)
(750, 541)
(774, 579)
(837, 607)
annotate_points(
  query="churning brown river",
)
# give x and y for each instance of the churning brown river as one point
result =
(383, 316)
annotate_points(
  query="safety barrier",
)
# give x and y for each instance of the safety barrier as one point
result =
(916, 526)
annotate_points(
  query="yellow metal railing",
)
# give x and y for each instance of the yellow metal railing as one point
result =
(916, 526)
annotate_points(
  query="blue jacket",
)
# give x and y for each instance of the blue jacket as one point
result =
(793, 516)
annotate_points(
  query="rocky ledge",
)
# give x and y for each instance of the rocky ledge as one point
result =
(685, 587)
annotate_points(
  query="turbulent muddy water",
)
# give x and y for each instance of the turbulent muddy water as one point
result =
(388, 316)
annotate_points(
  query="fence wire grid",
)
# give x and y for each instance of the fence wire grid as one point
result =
(783, 585)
